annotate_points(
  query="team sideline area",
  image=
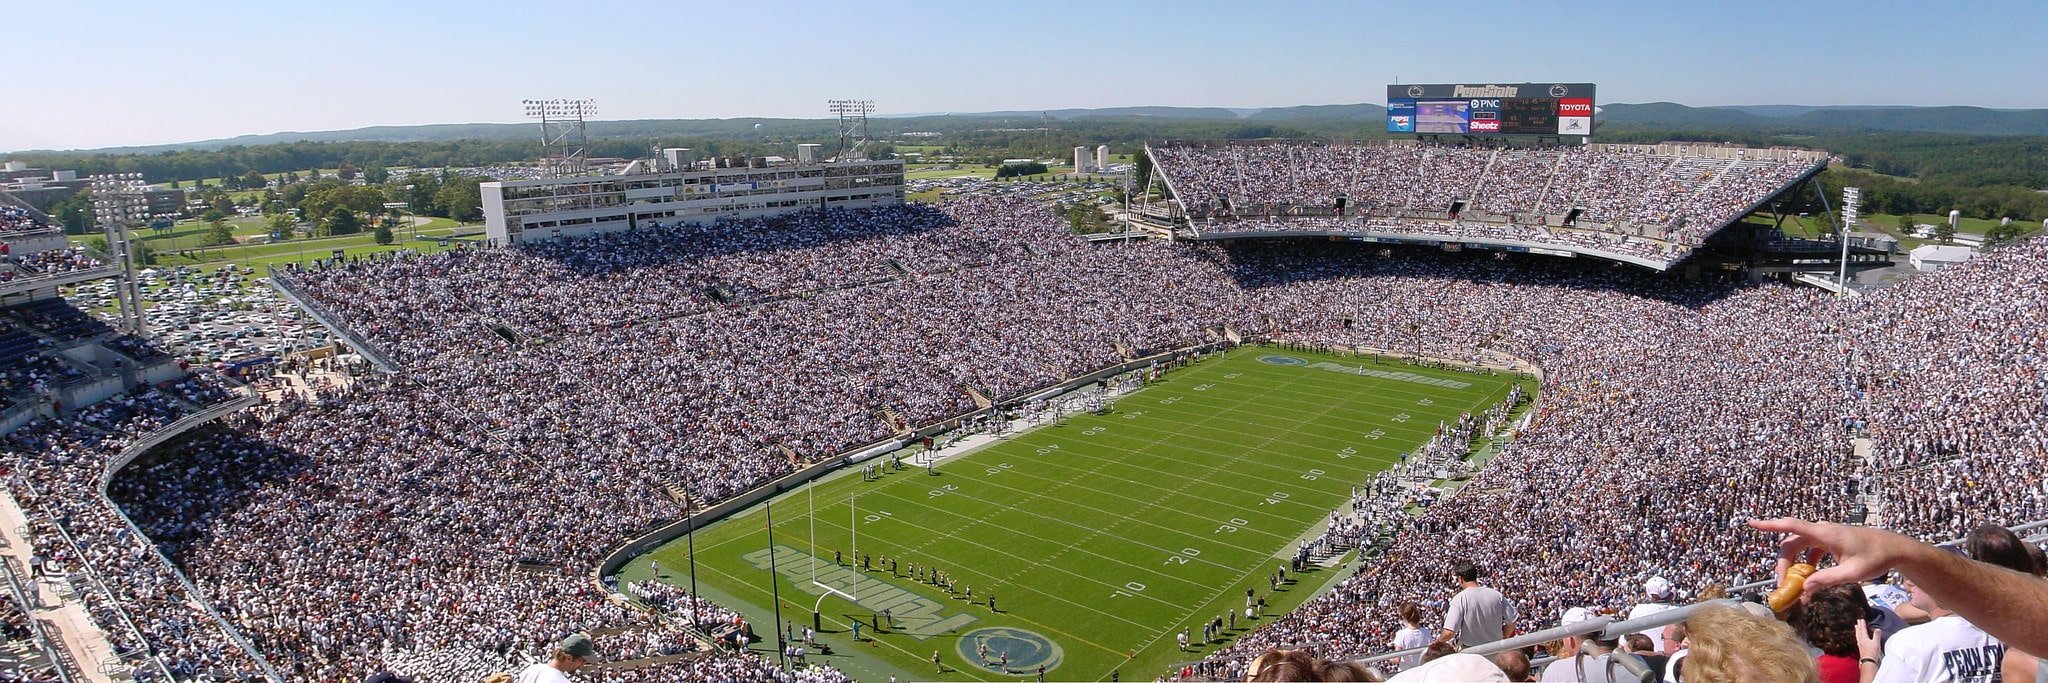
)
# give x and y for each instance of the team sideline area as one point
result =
(1102, 535)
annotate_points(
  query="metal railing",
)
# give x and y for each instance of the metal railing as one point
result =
(136, 450)
(92, 577)
(1609, 628)
(41, 636)
(289, 288)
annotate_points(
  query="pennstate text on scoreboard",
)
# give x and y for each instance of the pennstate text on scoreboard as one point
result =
(1512, 109)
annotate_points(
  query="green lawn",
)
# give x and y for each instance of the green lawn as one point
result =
(190, 234)
(1100, 537)
(306, 249)
(1967, 226)
(923, 171)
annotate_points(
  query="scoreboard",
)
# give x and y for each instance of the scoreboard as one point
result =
(1467, 109)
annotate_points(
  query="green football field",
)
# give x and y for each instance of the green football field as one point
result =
(1099, 537)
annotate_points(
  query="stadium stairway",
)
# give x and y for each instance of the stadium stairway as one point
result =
(681, 495)
(894, 420)
(720, 294)
(980, 400)
(1479, 186)
(1554, 167)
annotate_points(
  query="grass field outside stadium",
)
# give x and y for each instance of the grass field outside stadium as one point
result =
(1099, 537)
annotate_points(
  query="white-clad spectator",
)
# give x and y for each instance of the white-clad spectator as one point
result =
(1657, 593)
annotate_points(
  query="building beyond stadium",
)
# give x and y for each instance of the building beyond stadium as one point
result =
(521, 210)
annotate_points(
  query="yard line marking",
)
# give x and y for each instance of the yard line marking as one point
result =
(800, 606)
(1053, 462)
(1013, 508)
(1351, 470)
(955, 534)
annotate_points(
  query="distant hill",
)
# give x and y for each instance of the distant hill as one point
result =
(1777, 118)
(1311, 112)
(1977, 120)
(1962, 120)
(1107, 112)
(1673, 115)
(1783, 110)
(443, 132)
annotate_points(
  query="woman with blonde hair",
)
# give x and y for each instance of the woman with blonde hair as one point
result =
(1730, 645)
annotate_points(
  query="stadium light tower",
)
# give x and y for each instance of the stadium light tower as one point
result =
(853, 126)
(118, 204)
(1852, 201)
(565, 150)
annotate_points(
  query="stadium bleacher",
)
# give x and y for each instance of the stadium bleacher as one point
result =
(1671, 411)
(1655, 202)
(59, 319)
(15, 219)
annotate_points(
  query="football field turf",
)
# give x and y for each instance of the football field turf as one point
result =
(1100, 537)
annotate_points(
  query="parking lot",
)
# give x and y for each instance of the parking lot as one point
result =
(211, 315)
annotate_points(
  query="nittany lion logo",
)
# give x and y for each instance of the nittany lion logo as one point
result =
(1282, 360)
(1009, 650)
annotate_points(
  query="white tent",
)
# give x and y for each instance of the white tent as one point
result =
(1936, 256)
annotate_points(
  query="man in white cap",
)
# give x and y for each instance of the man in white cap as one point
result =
(1658, 591)
(1585, 658)
(571, 654)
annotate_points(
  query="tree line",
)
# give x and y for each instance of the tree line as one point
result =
(1983, 176)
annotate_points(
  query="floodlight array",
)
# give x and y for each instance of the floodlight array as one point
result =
(559, 108)
(850, 107)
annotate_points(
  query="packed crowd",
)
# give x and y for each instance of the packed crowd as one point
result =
(48, 262)
(451, 300)
(1671, 411)
(1951, 373)
(17, 219)
(675, 601)
(1687, 197)
(1953, 396)
(129, 592)
(1668, 415)
(1593, 241)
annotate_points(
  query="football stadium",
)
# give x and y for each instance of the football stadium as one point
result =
(1480, 395)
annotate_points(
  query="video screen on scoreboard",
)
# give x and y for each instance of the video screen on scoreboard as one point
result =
(1441, 116)
(1524, 109)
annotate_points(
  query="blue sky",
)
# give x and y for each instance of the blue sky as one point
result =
(86, 74)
